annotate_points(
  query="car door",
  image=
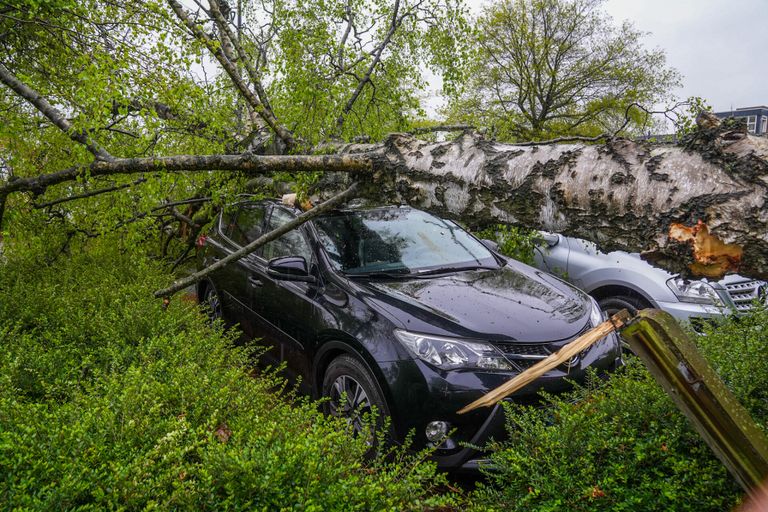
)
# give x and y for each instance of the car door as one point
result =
(240, 279)
(289, 306)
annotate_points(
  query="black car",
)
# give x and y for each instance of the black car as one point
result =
(395, 308)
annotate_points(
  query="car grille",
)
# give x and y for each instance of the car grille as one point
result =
(525, 355)
(743, 294)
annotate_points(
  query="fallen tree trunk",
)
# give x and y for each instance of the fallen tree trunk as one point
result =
(697, 209)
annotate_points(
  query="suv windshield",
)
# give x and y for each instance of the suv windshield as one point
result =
(398, 240)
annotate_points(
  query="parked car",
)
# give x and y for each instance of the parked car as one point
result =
(395, 308)
(622, 280)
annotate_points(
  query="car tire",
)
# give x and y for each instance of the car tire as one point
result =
(350, 392)
(633, 304)
(212, 302)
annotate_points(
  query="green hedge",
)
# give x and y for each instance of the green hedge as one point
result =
(621, 444)
(108, 401)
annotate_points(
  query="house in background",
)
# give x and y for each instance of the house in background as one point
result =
(755, 117)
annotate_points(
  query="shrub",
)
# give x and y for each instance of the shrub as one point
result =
(109, 401)
(621, 444)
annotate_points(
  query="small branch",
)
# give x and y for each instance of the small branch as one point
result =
(88, 194)
(180, 203)
(378, 51)
(51, 113)
(182, 218)
(442, 128)
(328, 205)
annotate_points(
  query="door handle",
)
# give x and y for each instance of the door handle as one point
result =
(255, 281)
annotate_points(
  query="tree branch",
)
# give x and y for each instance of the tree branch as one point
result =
(252, 73)
(328, 205)
(51, 113)
(88, 194)
(266, 114)
(376, 58)
(246, 162)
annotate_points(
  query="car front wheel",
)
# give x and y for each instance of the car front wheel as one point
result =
(212, 303)
(352, 393)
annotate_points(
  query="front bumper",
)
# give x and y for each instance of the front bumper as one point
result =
(420, 393)
(693, 314)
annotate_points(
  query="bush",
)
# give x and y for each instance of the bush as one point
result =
(621, 444)
(108, 401)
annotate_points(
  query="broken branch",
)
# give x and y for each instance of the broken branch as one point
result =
(247, 162)
(328, 205)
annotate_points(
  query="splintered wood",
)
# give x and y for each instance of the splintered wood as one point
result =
(563, 355)
(712, 257)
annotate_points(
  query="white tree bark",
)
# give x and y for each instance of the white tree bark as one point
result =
(623, 195)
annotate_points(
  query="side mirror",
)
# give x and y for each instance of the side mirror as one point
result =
(550, 239)
(490, 244)
(289, 268)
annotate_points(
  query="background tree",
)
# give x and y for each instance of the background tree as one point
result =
(543, 68)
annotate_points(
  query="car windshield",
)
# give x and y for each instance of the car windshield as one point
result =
(398, 240)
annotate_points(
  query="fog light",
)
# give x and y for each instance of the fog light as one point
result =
(436, 431)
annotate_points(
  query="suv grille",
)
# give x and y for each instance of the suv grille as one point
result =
(525, 355)
(744, 293)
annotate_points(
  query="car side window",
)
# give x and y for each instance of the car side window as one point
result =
(292, 243)
(247, 225)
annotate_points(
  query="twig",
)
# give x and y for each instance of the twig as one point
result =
(88, 194)
(180, 203)
(331, 203)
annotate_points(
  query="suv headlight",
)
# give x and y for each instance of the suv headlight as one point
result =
(697, 292)
(453, 353)
(597, 316)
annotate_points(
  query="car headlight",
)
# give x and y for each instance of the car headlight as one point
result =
(596, 316)
(697, 292)
(453, 353)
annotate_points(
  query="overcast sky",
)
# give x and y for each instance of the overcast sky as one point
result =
(719, 46)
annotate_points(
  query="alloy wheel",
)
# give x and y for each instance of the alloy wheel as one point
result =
(348, 399)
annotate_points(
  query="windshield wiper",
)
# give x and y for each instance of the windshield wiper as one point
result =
(394, 273)
(446, 270)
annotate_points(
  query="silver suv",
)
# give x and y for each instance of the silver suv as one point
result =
(622, 280)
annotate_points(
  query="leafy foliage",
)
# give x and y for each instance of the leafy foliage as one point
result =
(515, 242)
(621, 444)
(108, 401)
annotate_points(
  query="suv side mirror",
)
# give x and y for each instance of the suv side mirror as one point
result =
(289, 268)
(490, 244)
(550, 239)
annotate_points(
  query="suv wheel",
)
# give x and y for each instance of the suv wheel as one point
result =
(612, 305)
(351, 393)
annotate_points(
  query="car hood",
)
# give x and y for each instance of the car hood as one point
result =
(520, 304)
